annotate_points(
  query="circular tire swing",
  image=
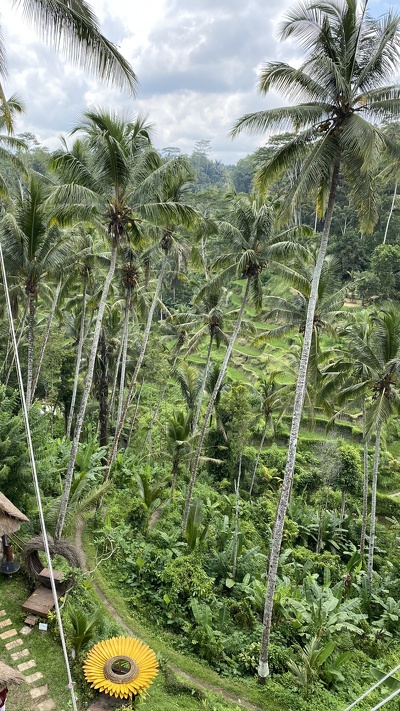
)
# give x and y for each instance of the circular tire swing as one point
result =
(34, 565)
(123, 667)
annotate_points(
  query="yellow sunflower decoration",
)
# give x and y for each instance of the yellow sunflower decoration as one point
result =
(121, 666)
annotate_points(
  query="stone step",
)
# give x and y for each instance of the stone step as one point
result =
(8, 633)
(26, 665)
(2, 613)
(38, 691)
(5, 623)
(33, 677)
(47, 705)
(14, 643)
(25, 630)
(20, 655)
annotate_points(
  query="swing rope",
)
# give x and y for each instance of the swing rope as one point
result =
(36, 482)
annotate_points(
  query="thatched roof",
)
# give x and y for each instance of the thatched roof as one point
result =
(9, 676)
(10, 517)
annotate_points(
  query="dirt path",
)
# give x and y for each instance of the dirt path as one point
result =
(193, 680)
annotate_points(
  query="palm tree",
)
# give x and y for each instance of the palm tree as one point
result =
(170, 183)
(98, 173)
(273, 399)
(249, 234)
(73, 29)
(377, 365)
(33, 247)
(341, 85)
(210, 321)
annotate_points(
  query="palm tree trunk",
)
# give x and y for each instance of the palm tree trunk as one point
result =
(124, 354)
(85, 394)
(139, 362)
(236, 529)
(46, 337)
(211, 402)
(365, 483)
(21, 333)
(253, 479)
(373, 507)
(390, 213)
(202, 387)
(78, 361)
(103, 391)
(115, 379)
(263, 668)
(31, 335)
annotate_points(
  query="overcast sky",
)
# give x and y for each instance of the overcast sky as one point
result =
(196, 60)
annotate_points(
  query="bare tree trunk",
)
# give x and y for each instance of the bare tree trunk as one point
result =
(115, 379)
(365, 483)
(236, 529)
(46, 337)
(139, 362)
(31, 336)
(253, 479)
(202, 387)
(103, 391)
(78, 360)
(124, 354)
(263, 668)
(21, 333)
(372, 523)
(139, 395)
(85, 395)
(211, 403)
(390, 213)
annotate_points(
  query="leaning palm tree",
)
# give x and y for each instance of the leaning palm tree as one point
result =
(97, 174)
(33, 246)
(249, 234)
(341, 86)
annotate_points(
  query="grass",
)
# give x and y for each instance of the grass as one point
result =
(163, 643)
(45, 650)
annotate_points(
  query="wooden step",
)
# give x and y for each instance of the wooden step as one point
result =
(40, 602)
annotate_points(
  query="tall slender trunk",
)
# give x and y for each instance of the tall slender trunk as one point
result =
(31, 336)
(139, 362)
(21, 333)
(46, 337)
(211, 403)
(78, 360)
(85, 394)
(115, 379)
(236, 529)
(202, 386)
(263, 668)
(390, 214)
(365, 482)
(372, 523)
(124, 353)
(139, 395)
(253, 478)
(103, 391)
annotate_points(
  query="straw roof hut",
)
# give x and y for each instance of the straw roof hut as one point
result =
(9, 676)
(10, 517)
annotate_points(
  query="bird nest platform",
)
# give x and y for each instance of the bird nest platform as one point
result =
(34, 565)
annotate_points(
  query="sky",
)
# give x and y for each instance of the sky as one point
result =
(197, 62)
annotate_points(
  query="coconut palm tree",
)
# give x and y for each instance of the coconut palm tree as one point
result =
(34, 247)
(376, 360)
(169, 183)
(113, 175)
(97, 174)
(249, 234)
(73, 29)
(341, 86)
